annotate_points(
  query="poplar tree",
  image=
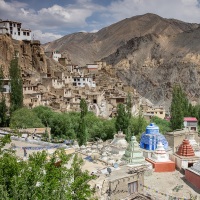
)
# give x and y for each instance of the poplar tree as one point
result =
(129, 105)
(178, 108)
(3, 108)
(82, 130)
(122, 120)
(16, 94)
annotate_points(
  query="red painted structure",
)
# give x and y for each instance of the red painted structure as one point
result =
(168, 166)
(193, 178)
(190, 119)
(185, 149)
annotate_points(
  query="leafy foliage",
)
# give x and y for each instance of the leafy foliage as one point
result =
(44, 178)
(25, 118)
(82, 135)
(137, 125)
(123, 119)
(179, 107)
(3, 108)
(3, 112)
(163, 124)
(16, 94)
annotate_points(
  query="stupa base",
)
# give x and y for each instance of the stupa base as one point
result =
(167, 166)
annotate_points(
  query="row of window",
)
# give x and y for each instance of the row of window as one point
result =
(24, 33)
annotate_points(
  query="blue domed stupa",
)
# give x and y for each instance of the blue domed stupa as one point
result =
(151, 137)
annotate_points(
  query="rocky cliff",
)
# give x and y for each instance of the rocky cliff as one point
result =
(154, 63)
(32, 59)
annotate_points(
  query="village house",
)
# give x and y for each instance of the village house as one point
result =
(82, 81)
(151, 111)
(190, 123)
(56, 55)
(92, 68)
(15, 30)
(6, 85)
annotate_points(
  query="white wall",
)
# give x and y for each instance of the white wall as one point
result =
(16, 32)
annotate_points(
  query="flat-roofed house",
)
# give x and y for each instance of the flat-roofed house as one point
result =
(191, 123)
(15, 30)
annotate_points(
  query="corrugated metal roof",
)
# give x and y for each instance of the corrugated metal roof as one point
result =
(190, 119)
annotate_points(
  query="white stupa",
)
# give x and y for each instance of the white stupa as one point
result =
(192, 141)
(160, 154)
(119, 144)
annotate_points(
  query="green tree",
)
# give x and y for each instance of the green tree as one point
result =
(1, 79)
(82, 131)
(122, 120)
(129, 105)
(3, 112)
(164, 125)
(58, 176)
(177, 109)
(25, 118)
(138, 125)
(3, 107)
(16, 94)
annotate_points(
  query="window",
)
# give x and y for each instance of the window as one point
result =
(74, 79)
(78, 79)
(18, 33)
(14, 25)
(24, 33)
(133, 187)
(28, 34)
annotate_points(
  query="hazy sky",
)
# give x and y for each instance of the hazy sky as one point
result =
(52, 19)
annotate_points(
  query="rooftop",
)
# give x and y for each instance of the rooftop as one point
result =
(190, 119)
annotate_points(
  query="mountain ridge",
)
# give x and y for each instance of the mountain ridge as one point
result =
(83, 48)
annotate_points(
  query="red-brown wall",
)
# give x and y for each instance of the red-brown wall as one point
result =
(168, 166)
(193, 178)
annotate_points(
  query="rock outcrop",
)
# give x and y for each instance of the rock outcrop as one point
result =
(154, 63)
(32, 59)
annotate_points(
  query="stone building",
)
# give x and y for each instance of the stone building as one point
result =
(15, 30)
(122, 183)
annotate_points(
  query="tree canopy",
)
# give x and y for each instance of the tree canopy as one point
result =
(43, 176)
(16, 94)
(25, 118)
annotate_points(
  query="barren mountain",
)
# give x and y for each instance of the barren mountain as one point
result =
(83, 48)
(154, 63)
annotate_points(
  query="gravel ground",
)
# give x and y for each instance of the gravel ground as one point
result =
(170, 183)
